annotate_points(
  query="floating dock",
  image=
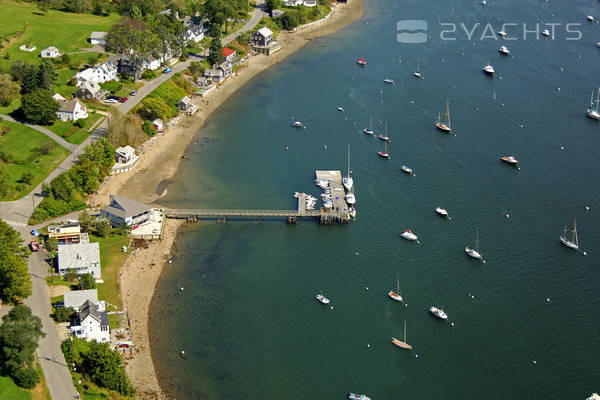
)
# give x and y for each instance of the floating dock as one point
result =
(338, 213)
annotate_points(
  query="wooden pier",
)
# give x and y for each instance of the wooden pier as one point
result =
(338, 213)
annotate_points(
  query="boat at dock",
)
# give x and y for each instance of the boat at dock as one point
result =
(442, 212)
(354, 396)
(350, 199)
(438, 313)
(347, 181)
(384, 153)
(445, 126)
(352, 212)
(510, 160)
(408, 235)
(402, 344)
(591, 111)
(369, 130)
(396, 295)
(474, 252)
(322, 298)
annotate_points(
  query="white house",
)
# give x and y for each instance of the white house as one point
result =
(305, 3)
(90, 91)
(124, 154)
(98, 38)
(77, 298)
(194, 33)
(101, 73)
(71, 110)
(229, 54)
(152, 63)
(186, 105)
(49, 52)
(58, 97)
(126, 211)
(91, 323)
(83, 258)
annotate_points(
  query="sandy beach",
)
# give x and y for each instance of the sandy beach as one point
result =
(142, 270)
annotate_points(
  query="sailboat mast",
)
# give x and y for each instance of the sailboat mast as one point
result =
(597, 99)
(404, 331)
(575, 240)
(348, 160)
(398, 284)
(371, 120)
(448, 113)
(418, 63)
(477, 241)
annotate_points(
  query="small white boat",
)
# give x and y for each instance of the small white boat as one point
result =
(445, 126)
(574, 243)
(488, 69)
(361, 61)
(406, 169)
(417, 73)
(354, 396)
(504, 50)
(298, 124)
(350, 199)
(352, 212)
(502, 33)
(408, 235)
(383, 137)
(484, 2)
(389, 81)
(384, 153)
(369, 130)
(598, 44)
(442, 212)
(396, 295)
(347, 181)
(591, 111)
(510, 160)
(340, 109)
(322, 298)
(590, 17)
(438, 312)
(474, 253)
(546, 32)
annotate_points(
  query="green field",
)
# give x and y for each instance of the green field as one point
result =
(68, 32)
(112, 259)
(73, 134)
(9, 390)
(31, 151)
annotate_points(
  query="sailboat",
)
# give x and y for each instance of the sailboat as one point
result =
(385, 136)
(590, 17)
(572, 244)
(402, 345)
(445, 126)
(348, 181)
(591, 111)
(396, 295)
(369, 130)
(475, 252)
(417, 73)
(384, 153)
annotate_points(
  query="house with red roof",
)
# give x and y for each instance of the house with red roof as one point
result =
(229, 54)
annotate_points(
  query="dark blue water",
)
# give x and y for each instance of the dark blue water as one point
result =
(248, 320)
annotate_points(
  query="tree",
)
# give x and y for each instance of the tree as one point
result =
(84, 220)
(19, 335)
(30, 80)
(63, 314)
(52, 244)
(38, 107)
(215, 55)
(15, 282)
(103, 228)
(46, 75)
(9, 90)
(44, 5)
(157, 107)
(87, 281)
(27, 378)
(26, 178)
(273, 5)
(19, 70)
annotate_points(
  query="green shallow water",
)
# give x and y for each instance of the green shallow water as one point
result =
(248, 320)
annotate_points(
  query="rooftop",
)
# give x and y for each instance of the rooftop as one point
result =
(227, 51)
(90, 308)
(98, 35)
(124, 208)
(78, 255)
(76, 298)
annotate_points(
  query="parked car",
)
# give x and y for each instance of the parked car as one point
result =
(122, 99)
(167, 70)
(110, 101)
(133, 93)
(117, 98)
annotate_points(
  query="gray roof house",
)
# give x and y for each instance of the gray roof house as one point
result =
(126, 211)
(83, 258)
(76, 298)
(91, 323)
(89, 90)
(98, 38)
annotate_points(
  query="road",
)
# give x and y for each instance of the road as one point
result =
(16, 213)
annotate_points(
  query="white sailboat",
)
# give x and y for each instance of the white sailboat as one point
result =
(385, 136)
(348, 181)
(384, 153)
(574, 242)
(350, 199)
(474, 253)
(590, 17)
(409, 235)
(445, 126)
(417, 73)
(396, 295)
(369, 130)
(591, 111)
(438, 312)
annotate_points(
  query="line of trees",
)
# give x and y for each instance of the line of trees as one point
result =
(15, 282)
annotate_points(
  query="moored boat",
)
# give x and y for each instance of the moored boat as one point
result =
(474, 252)
(350, 199)
(438, 312)
(504, 50)
(354, 396)
(502, 33)
(340, 109)
(406, 169)
(402, 344)
(361, 61)
(445, 126)
(574, 242)
(389, 81)
(417, 73)
(298, 124)
(546, 32)
(409, 235)
(591, 111)
(369, 130)
(442, 212)
(489, 69)
(347, 181)
(384, 153)
(510, 160)
(396, 295)
(322, 298)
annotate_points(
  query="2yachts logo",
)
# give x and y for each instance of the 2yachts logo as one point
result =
(417, 31)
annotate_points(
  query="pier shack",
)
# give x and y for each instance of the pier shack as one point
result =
(338, 213)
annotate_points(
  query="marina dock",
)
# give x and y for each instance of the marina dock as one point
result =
(338, 213)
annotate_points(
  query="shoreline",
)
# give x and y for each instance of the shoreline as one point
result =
(139, 276)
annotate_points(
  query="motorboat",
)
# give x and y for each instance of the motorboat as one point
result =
(389, 81)
(350, 199)
(406, 169)
(446, 125)
(340, 109)
(396, 295)
(438, 312)
(488, 69)
(298, 124)
(408, 235)
(504, 50)
(402, 344)
(322, 298)
(442, 212)
(474, 252)
(510, 160)
(484, 2)
(347, 181)
(353, 396)
(352, 212)
(546, 32)
(502, 33)
(361, 61)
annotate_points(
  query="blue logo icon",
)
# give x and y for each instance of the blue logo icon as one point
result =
(411, 31)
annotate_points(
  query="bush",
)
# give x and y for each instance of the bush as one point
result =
(27, 378)
(78, 123)
(63, 314)
(87, 281)
(112, 86)
(148, 128)
(27, 178)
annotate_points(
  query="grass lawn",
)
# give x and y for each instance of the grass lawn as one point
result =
(57, 280)
(31, 151)
(41, 392)
(111, 260)
(9, 390)
(69, 32)
(16, 103)
(73, 134)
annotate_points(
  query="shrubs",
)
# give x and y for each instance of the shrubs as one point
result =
(27, 378)
(78, 123)
(148, 128)
(63, 314)
(87, 281)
